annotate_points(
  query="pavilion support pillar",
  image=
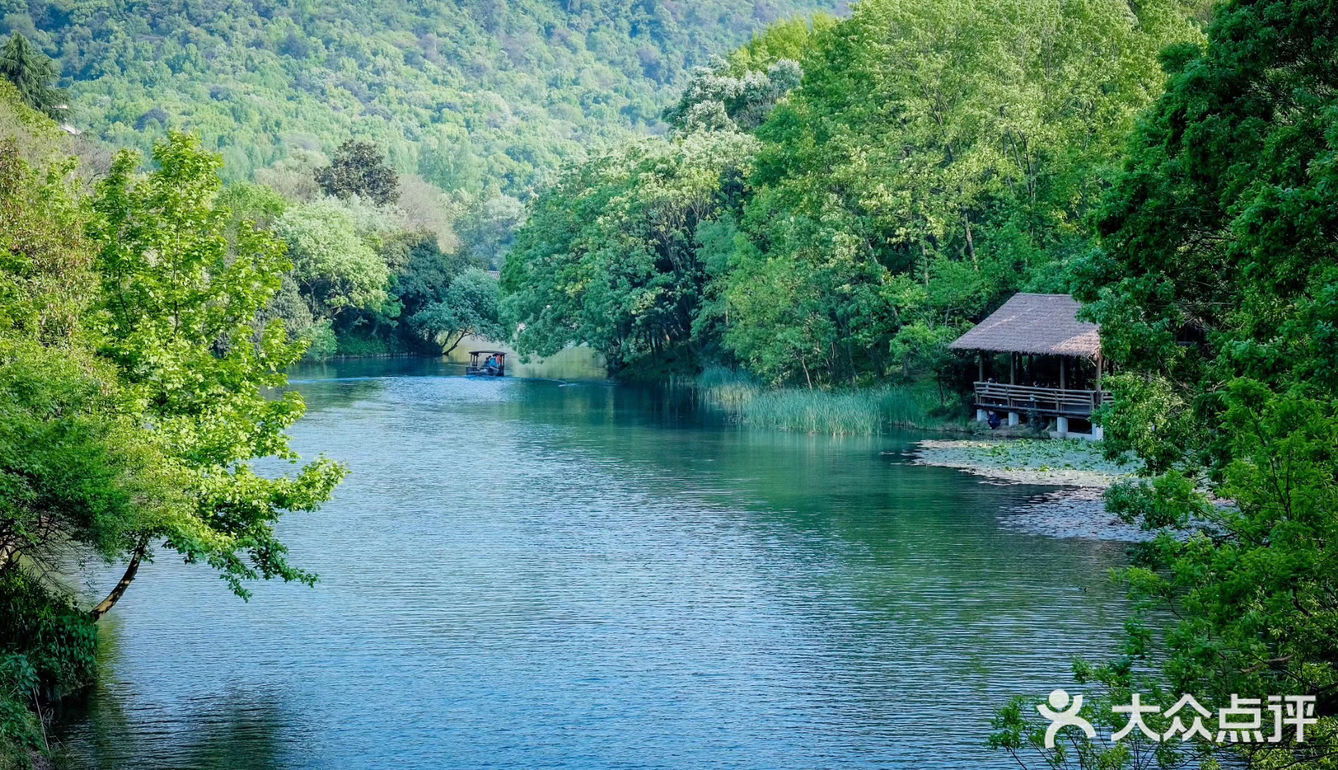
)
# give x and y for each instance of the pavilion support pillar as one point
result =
(1098, 432)
(1062, 427)
(981, 414)
(1062, 372)
(1013, 418)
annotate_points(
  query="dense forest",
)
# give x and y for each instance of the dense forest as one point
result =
(481, 99)
(837, 201)
(472, 105)
(377, 265)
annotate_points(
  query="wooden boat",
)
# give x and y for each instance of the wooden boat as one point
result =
(486, 363)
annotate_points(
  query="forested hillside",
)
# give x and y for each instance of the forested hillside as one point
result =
(471, 94)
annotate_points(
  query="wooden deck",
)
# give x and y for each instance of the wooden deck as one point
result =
(1050, 402)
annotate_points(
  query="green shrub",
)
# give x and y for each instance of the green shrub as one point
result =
(58, 639)
(20, 729)
(321, 342)
(48, 649)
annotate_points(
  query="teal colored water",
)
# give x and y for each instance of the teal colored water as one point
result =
(522, 574)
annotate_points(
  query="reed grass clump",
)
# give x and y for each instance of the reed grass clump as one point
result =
(854, 412)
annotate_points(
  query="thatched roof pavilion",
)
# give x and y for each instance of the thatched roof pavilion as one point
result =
(1041, 334)
(1039, 324)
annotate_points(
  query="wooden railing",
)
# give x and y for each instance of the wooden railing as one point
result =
(1065, 402)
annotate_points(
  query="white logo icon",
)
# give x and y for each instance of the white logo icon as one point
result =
(1063, 712)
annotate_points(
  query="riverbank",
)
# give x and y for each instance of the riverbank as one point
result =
(1080, 470)
(853, 412)
(745, 401)
(1054, 462)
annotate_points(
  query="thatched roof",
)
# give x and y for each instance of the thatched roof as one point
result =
(1041, 324)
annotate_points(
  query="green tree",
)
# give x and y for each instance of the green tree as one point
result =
(178, 315)
(73, 470)
(33, 74)
(333, 265)
(253, 204)
(468, 308)
(805, 317)
(61, 408)
(489, 226)
(792, 39)
(609, 257)
(426, 275)
(359, 168)
(135, 392)
(716, 100)
(77, 469)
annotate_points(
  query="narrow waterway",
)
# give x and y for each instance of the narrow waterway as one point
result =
(526, 573)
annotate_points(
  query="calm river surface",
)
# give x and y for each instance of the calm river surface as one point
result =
(525, 574)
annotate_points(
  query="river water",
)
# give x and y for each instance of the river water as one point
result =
(524, 573)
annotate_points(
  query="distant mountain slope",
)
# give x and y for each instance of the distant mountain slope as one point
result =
(469, 93)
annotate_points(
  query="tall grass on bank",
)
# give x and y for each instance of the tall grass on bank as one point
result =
(859, 412)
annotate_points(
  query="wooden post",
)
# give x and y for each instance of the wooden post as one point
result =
(1098, 372)
(1013, 417)
(981, 415)
(1062, 361)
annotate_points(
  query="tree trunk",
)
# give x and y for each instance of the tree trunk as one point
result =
(136, 556)
(924, 257)
(447, 350)
(970, 242)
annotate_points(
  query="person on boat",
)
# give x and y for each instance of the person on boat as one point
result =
(492, 364)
